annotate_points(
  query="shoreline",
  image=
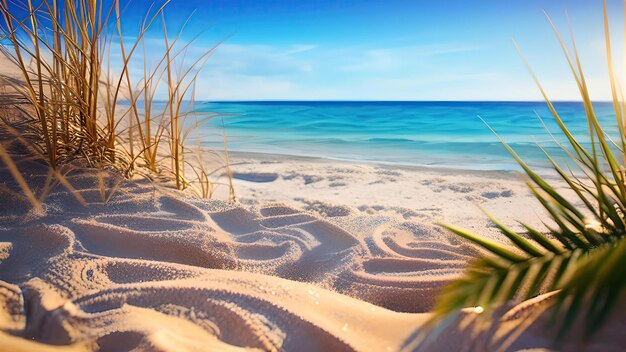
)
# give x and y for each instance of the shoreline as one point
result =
(330, 187)
(266, 156)
(543, 169)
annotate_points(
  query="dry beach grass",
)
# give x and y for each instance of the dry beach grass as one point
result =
(79, 107)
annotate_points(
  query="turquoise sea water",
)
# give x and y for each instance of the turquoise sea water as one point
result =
(446, 134)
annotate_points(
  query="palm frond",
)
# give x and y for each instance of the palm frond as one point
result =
(582, 256)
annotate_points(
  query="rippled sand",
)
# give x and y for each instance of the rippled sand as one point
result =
(157, 270)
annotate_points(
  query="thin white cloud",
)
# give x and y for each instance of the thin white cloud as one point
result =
(400, 57)
(260, 60)
(427, 72)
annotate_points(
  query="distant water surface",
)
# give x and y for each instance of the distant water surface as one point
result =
(444, 134)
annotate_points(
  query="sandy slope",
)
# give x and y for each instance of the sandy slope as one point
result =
(156, 270)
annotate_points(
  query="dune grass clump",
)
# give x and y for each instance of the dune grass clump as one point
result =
(82, 106)
(582, 258)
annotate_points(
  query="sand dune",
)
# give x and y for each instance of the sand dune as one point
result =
(156, 270)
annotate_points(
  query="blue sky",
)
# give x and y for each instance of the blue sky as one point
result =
(391, 50)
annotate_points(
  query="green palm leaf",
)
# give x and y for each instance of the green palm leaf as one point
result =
(583, 257)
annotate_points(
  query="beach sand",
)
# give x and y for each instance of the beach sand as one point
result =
(317, 255)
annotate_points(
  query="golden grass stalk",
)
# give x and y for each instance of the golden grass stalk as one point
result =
(6, 158)
(83, 108)
(53, 177)
(229, 172)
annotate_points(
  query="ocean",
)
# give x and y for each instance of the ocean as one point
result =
(441, 134)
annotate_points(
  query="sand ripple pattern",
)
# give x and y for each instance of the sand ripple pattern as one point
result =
(153, 270)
